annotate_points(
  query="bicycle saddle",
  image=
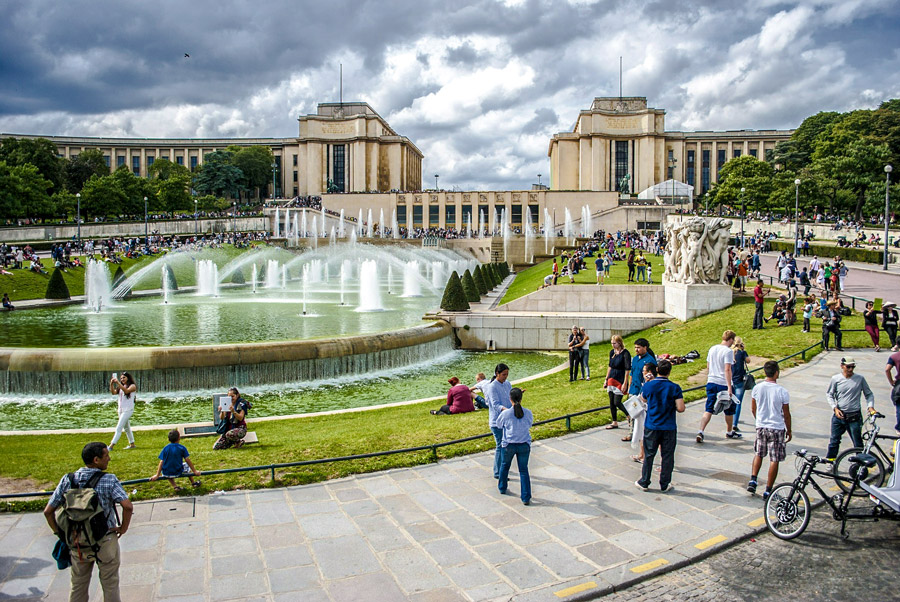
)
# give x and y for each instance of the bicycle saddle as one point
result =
(867, 460)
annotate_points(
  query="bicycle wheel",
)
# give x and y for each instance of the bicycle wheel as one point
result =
(843, 467)
(787, 516)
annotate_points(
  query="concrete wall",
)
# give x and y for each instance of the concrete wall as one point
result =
(641, 298)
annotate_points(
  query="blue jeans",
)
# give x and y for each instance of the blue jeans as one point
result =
(738, 390)
(585, 368)
(498, 437)
(642, 272)
(838, 428)
(480, 403)
(521, 451)
(664, 442)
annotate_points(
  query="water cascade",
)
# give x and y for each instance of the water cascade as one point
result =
(272, 273)
(390, 279)
(370, 225)
(207, 278)
(341, 225)
(381, 223)
(369, 288)
(568, 228)
(97, 289)
(438, 279)
(411, 285)
(275, 223)
(395, 228)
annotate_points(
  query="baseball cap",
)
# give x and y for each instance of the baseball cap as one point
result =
(848, 361)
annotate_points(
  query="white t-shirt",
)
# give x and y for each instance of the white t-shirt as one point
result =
(126, 402)
(718, 356)
(770, 398)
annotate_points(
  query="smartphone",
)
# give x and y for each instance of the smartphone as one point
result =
(115, 375)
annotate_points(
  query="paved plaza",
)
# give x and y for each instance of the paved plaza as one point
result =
(443, 532)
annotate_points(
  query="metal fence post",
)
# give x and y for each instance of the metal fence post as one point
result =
(273, 472)
(434, 457)
(568, 423)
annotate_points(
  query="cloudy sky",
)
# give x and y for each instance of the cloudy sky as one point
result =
(479, 85)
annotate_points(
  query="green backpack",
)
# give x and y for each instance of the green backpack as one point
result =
(81, 518)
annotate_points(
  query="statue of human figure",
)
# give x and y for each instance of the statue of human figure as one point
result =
(623, 184)
(692, 262)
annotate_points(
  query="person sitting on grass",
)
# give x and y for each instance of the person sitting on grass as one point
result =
(459, 399)
(7, 304)
(174, 462)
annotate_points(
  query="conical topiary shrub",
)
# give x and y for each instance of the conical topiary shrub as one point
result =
(57, 288)
(120, 278)
(504, 269)
(495, 275)
(238, 277)
(469, 288)
(479, 280)
(454, 298)
(487, 276)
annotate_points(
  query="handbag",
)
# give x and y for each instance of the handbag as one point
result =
(224, 426)
(633, 406)
(749, 382)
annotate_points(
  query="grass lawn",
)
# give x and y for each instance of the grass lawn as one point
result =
(25, 284)
(528, 280)
(43, 459)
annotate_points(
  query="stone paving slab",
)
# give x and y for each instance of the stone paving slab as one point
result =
(442, 531)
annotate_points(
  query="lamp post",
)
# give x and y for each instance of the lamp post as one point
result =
(706, 202)
(539, 181)
(436, 176)
(196, 216)
(743, 190)
(78, 216)
(796, 214)
(274, 169)
(887, 209)
(146, 226)
(234, 218)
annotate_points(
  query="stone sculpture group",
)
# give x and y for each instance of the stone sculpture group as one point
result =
(697, 251)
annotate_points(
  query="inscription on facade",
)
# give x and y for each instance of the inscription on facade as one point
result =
(623, 123)
(337, 128)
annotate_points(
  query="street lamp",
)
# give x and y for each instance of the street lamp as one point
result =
(706, 202)
(796, 214)
(743, 190)
(887, 208)
(234, 218)
(274, 168)
(672, 163)
(436, 176)
(78, 216)
(146, 227)
(196, 215)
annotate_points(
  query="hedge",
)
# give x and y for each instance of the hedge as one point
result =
(56, 288)
(469, 288)
(454, 298)
(845, 253)
(479, 281)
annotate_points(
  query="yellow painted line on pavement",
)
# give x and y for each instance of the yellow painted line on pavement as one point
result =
(757, 523)
(575, 589)
(835, 488)
(650, 565)
(710, 542)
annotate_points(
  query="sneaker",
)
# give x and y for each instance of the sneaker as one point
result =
(527, 502)
(641, 487)
(668, 488)
(751, 486)
(827, 460)
(700, 437)
(734, 435)
(766, 494)
(736, 429)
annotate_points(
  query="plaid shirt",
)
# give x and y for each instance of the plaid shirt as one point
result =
(108, 489)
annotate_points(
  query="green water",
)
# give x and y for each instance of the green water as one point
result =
(414, 382)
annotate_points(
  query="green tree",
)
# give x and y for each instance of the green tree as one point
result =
(454, 298)
(101, 196)
(469, 288)
(57, 287)
(219, 175)
(255, 162)
(80, 169)
(23, 192)
(479, 281)
(134, 188)
(746, 172)
(210, 202)
(39, 152)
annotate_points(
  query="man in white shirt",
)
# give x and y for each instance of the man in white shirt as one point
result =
(814, 267)
(719, 360)
(773, 426)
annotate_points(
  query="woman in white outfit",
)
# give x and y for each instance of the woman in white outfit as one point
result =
(126, 390)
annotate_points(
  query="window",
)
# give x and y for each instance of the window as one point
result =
(736, 153)
(450, 216)
(106, 160)
(720, 161)
(296, 177)
(434, 215)
(516, 218)
(166, 157)
(295, 160)
(671, 167)
(150, 161)
(401, 215)
(417, 216)
(277, 192)
(484, 214)
(73, 156)
(498, 218)
(691, 164)
(193, 163)
(179, 160)
(120, 160)
(535, 219)
(753, 153)
(337, 166)
(136, 165)
(648, 226)
(467, 215)
(621, 162)
(704, 171)
(296, 191)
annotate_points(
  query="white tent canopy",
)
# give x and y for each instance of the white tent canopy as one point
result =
(669, 188)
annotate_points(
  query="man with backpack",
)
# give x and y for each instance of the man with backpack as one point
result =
(82, 513)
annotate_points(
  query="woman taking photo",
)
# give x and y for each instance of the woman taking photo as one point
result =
(619, 366)
(516, 429)
(126, 390)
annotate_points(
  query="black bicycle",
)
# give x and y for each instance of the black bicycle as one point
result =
(787, 509)
(884, 463)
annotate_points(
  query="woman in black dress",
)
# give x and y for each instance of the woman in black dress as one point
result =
(619, 366)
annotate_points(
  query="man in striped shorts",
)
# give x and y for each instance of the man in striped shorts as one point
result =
(773, 426)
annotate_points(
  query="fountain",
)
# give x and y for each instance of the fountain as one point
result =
(529, 239)
(272, 273)
(253, 278)
(587, 229)
(353, 236)
(165, 284)
(341, 224)
(390, 279)
(549, 227)
(469, 228)
(412, 287)
(359, 224)
(97, 289)
(207, 278)
(345, 265)
(287, 224)
(395, 228)
(303, 225)
(381, 223)
(568, 228)
(322, 232)
(332, 240)
(304, 281)
(284, 277)
(369, 288)
(438, 279)
(480, 223)
(370, 226)
(275, 224)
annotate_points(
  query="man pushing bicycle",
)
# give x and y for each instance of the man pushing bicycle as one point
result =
(843, 394)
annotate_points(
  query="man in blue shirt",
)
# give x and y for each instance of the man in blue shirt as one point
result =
(663, 398)
(174, 461)
(642, 357)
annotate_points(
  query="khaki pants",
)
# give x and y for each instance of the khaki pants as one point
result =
(108, 565)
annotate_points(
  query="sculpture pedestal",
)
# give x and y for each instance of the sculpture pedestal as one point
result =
(686, 301)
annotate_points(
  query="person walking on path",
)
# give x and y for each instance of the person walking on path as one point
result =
(496, 393)
(664, 398)
(769, 404)
(617, 370)
(831, 323)
(843, 394)
(109, 491)
(870, 317)
(574, 353)
(643, 355)
(889, 321)
(814, 267)
(516, 427)
(739, 377)
(719, 362)
(892, 371)
(759, 296)
(126, 391)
